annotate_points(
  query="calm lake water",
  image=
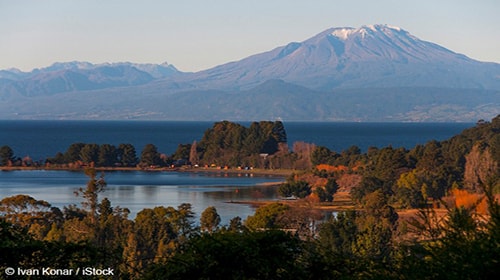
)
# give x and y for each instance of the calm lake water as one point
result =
(138, 190)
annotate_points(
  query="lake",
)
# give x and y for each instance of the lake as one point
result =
(138, 190)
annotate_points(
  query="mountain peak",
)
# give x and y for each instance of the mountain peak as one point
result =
(345, 33)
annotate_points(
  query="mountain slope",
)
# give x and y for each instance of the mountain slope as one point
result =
(370, 56)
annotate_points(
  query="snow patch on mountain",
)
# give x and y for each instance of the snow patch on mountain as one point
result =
(343, 33)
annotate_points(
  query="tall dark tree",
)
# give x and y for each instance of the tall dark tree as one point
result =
(107, 155)
(6, 155)
(90, 194)
(298, 189)
(182, 152)
(89, 153)
(127, 155)
(150, 156)
(72, 154)
(279, 132)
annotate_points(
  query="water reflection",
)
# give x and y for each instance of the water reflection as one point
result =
(139, 190)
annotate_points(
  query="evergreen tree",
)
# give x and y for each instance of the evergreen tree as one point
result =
(89, 153)
(127, 155)
(72, 154)
(150, 156)
(6, 155)
(107, 155)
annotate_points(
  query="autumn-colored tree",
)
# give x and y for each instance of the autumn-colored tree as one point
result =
(36, 216)
(480, 167)
(194, 158)
(457, 246)
(303, 151)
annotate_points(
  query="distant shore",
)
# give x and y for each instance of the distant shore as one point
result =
(254, 171)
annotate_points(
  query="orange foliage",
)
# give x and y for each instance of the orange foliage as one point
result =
(348, 181)
(470, 200)
(313, 198)
(331, 168)
(312, 180)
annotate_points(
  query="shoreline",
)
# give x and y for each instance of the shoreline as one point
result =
(271, 172)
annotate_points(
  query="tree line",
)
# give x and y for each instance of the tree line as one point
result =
(79, 155)
(225, 144)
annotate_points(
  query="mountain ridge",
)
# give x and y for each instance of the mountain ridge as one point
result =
(309, 78)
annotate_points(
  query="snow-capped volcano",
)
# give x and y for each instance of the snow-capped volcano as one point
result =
(369, 56)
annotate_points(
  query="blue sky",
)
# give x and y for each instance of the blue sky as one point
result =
(195, 35)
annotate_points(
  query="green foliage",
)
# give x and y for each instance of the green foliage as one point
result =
(89, 153)
(155, 236)
(91, 192)
(23, 251)
(182, 152)
(73, 152)
(299, 189)
(267, 217)
(323, 155)
(126, 155)
(6, 155)
(408, 193)
(331, 188)
(228, 143)
(210, 219)
(229, 255)
(338, 235)
(150, 156)
(236, 225)
(107, 155)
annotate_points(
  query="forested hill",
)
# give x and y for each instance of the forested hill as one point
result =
(232, 144)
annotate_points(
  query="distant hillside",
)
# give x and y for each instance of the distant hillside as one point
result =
(371, 73)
